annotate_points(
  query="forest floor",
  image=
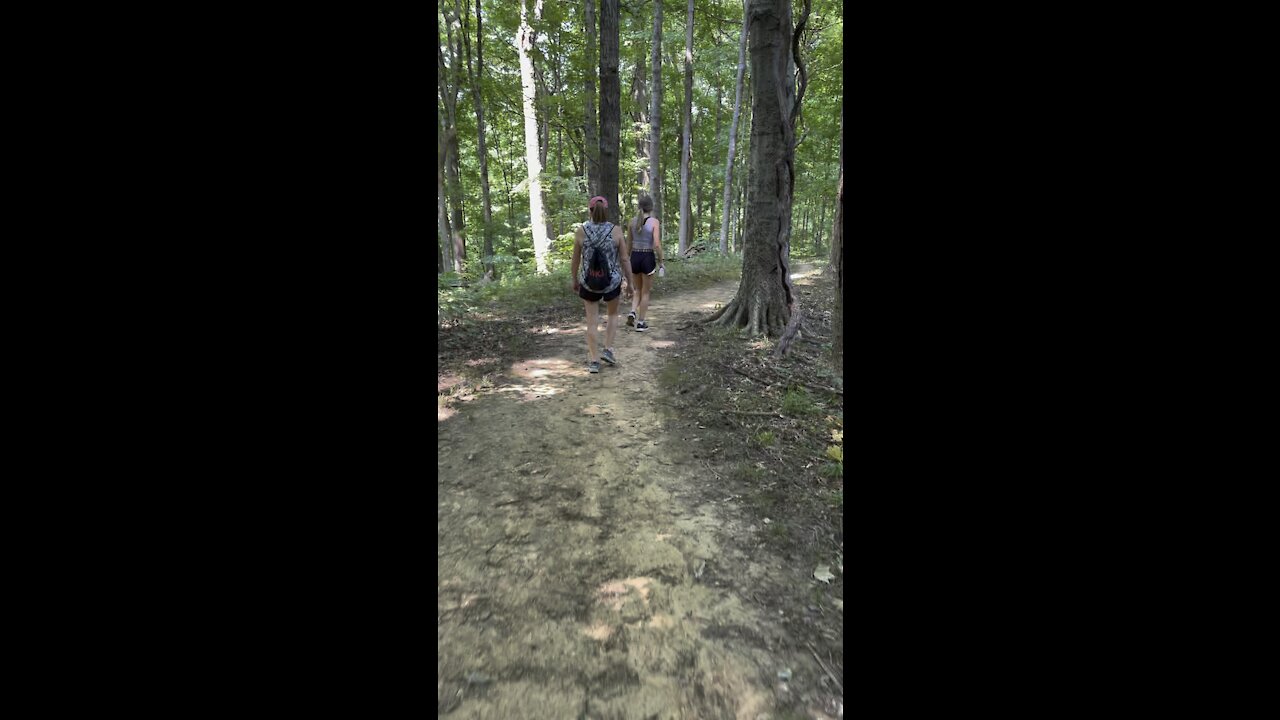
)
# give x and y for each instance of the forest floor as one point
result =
(643, 542)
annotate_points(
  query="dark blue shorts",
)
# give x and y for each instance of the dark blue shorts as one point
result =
(589, 296)
(643, 262)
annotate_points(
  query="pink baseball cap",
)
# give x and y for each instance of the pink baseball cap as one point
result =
(597, 199)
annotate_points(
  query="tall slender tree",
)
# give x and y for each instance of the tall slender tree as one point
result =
(537, 218)
(837, 254)
(453, 182)
(446, 242)
(475, 79)
(591, 126)
(686, 151)
(655, 112)
(639, 119)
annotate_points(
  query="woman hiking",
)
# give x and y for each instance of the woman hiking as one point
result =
(598, 274)
(644, 249)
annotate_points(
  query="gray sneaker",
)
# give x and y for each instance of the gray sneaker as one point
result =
(607, 356)
(593, 367)
(631, 318)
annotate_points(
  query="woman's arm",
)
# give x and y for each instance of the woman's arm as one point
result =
(657, 240)
(624, 257)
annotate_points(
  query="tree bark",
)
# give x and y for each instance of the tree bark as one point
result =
(592, 129)
(610, 105)
(765, 301)
(839, 217)
(453, 182)
(655, 112)
(711, 196)
(446, 240)
(537, 218)
(686, 224)
(474, 79)
(837, 253)
(640, 118)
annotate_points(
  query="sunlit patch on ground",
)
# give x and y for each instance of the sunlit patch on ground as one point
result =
(530, 392)
(444, 413)
(542, 368)
(482, 361)
(444, 382)
(663, 344)
(614, 593)
(599, 631)
(662, 622)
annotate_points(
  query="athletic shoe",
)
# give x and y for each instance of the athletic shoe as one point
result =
(641, 326)
(607, 356)
(593, 367)
(631, 318)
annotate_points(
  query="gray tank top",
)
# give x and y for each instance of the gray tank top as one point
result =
(642, 239)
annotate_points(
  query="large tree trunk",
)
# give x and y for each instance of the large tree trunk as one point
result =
(686, 224)
(837, 254)
(452, 174)
(765, 301)
(589, 91)
(655, 112)
(610, 104)
(474, 79)
(537, 218)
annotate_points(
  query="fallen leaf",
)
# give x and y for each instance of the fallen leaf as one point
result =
(823, 573)
(835, 453)
(837, 435)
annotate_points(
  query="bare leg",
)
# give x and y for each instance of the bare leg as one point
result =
(644, 301)
(638, 283)
(592, 356)
(612, 327)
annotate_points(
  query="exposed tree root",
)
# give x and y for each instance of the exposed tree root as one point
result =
(789, 334)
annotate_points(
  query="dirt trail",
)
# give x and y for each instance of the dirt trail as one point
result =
(579, 576)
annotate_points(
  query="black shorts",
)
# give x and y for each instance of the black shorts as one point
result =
(643, 262)
(589, 296)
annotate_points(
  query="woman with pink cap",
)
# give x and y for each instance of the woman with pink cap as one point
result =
(598, 274)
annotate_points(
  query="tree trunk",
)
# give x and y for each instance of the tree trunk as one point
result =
(837, 253)
(686, 225)
(610, 104)
(559, 153)
(537, 219)
(446, 244)
(839, 216)
(506, 180)
(640, 118)
(655, 112)
(451, 168)
(822, 225)
(474, 79)
(711, 195)
(592, 128)
(765, 300)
